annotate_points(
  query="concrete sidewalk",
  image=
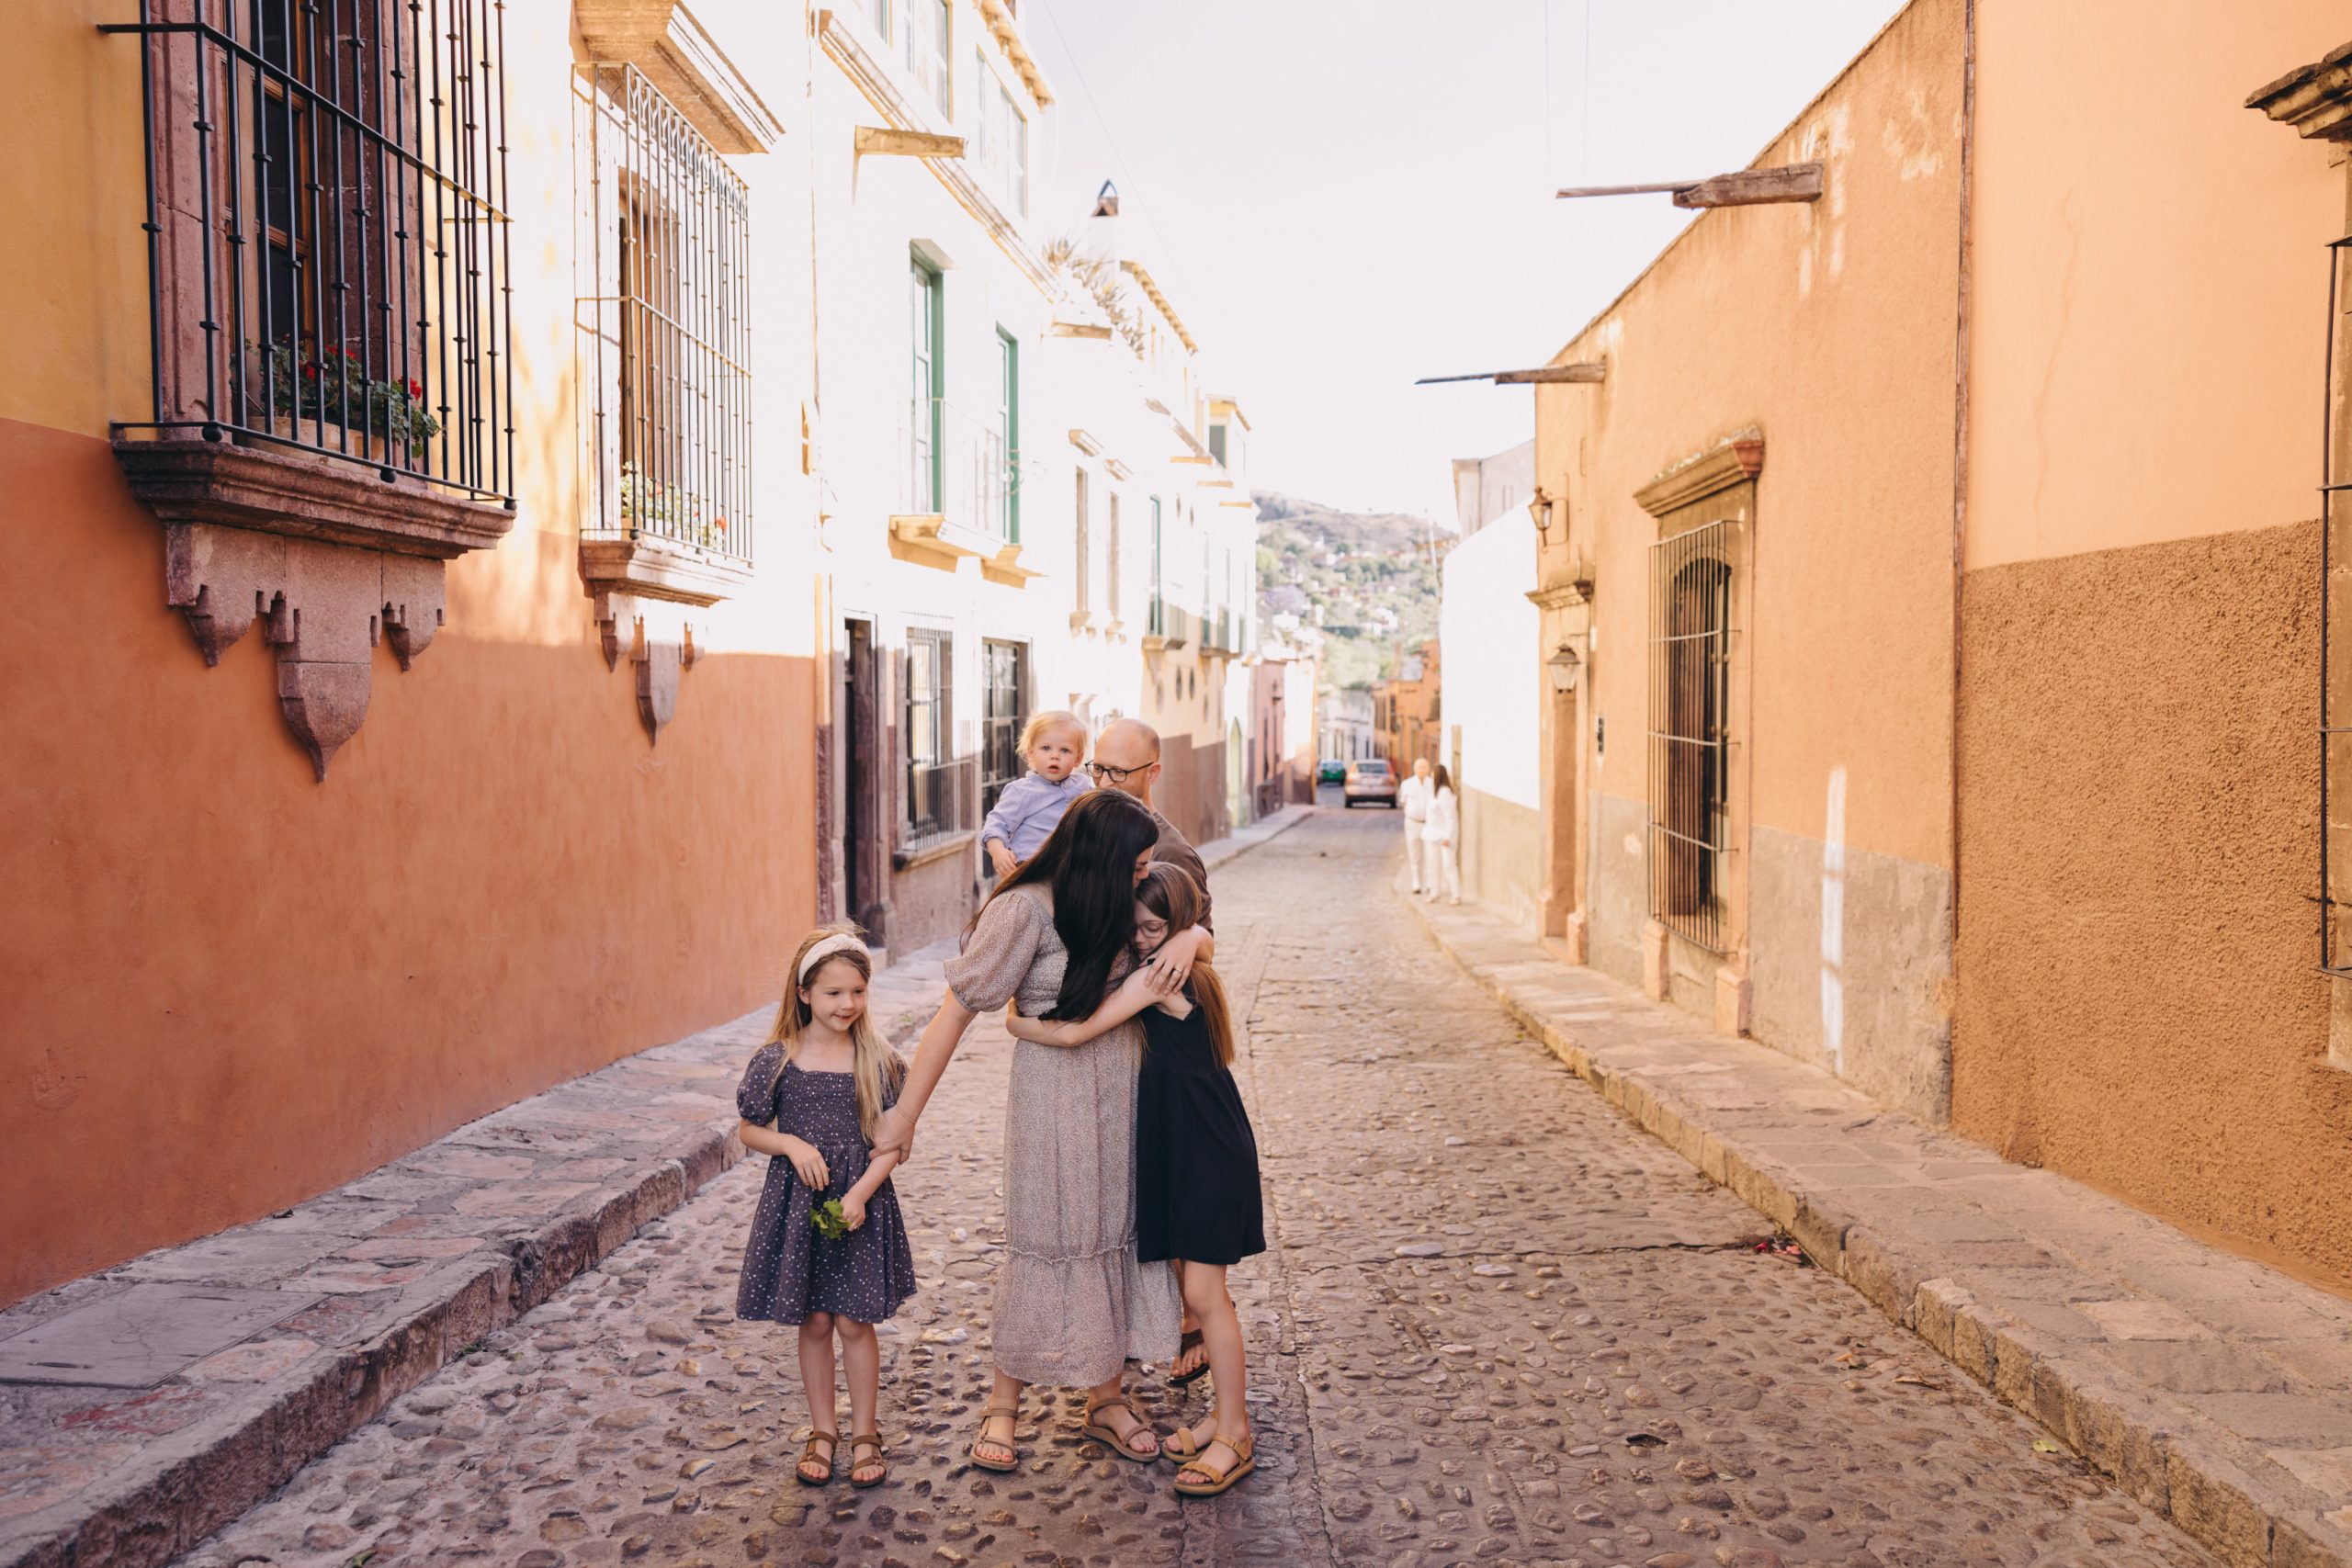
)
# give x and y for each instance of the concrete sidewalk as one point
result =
(2217, 1390)
(143, 1407)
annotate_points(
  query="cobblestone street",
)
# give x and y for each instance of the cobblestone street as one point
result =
(1499, 1325)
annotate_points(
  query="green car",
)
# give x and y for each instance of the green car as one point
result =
(1331, 770)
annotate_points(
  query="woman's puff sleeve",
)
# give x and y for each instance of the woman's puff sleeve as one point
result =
(998, 951)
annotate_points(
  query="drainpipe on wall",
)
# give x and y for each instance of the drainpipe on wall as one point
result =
(1960, 485)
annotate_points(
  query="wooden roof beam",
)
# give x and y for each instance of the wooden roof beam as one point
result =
(1540, 374)
(1748, 188)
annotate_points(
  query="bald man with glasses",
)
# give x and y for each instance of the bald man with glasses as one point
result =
(1127, 757)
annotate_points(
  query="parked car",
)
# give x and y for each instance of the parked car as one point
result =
(1369, 780)
(1331, 770)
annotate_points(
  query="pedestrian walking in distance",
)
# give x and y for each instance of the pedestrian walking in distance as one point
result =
(1439, 831)
(1196, 1163)
(809, 1100)
(1052, 743)
(1413, 800)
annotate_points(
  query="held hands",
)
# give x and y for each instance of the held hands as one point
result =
(894, 1134)
(807, 1163)
(1172, 964)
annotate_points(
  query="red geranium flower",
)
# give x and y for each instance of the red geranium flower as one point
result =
(414, 389)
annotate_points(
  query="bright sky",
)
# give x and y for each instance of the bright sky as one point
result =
(1343, 194)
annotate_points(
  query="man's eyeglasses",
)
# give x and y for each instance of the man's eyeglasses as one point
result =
(1114, 775)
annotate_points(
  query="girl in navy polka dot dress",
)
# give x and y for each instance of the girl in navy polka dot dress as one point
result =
(809, 1100)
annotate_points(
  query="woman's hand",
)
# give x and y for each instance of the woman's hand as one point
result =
(852, 1211)
(1172, 964)
(807, 1163)
(894, 1132)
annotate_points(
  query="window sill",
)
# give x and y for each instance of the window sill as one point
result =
(931, 847)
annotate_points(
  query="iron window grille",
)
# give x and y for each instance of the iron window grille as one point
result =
(328, 245)
(1689, 732)
(1004, 671)
(672, 316)
(929, 726)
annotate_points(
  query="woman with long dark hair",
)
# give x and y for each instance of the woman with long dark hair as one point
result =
(1073, 1304)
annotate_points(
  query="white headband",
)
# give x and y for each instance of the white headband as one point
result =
(840, 942)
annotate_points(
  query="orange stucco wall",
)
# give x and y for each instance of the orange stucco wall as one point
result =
(2138, 1003)
(2147, 314)
(224, 986)
(1829, 324)
(2139, 999)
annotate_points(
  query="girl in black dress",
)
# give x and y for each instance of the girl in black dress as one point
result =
(809, 1100)
(1196, 1163)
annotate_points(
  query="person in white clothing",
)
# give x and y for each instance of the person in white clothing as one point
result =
(1413, 800)
(1439, 830)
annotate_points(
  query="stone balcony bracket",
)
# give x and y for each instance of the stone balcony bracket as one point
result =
(1005, 567)
(327, 553)
(672, 50)
(929, 538)
(647, 593)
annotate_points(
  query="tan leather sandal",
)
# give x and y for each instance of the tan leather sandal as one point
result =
(1011, 1413)
(1102, 1432)
(868, 1440)
(1213, 1481)
(808, 1456)
(1180, 1448)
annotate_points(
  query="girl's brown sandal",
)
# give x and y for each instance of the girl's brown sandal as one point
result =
(1012, 1415)
(1103, 1433)
(867, 1440)
(1217, 1482)
(1185, 1347)
(808, 1456)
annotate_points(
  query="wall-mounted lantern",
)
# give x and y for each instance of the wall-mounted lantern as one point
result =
(1565, 667)
(1540, 508)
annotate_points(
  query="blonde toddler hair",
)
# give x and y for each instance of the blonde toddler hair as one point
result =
(1045, 723)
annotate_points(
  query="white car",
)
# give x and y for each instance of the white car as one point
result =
(1368, 780)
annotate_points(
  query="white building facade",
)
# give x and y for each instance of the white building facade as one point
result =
(1492, 699)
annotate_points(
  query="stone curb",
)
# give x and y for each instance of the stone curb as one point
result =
(2212, 1484)
(178, 1491)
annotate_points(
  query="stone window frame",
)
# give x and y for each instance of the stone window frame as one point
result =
(1718, 485)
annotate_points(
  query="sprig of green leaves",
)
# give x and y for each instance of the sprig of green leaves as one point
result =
(827, 1217)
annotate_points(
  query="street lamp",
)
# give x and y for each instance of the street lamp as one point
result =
(1540, 508)
(1564, 666)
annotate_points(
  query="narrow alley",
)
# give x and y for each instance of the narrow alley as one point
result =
(1497, 1325)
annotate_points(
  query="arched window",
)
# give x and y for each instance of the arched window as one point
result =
(1689, 713)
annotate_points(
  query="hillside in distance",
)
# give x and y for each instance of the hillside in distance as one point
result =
(1369, 579)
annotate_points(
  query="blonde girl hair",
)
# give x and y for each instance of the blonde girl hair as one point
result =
(1045, 723)
(875, 1067)
(1170, 891)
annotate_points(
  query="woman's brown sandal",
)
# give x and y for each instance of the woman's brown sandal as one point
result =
(1185, 1347)
(867, 1440)
(1102, 1432)
(808, 1456)
(1216, 1481)
(1012, 1415)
